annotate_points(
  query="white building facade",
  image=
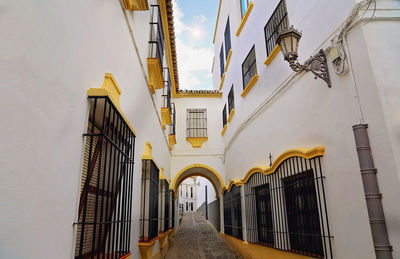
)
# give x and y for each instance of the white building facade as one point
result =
(188, 195)
(97, 132)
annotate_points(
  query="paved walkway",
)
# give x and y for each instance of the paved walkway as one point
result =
(196, 238)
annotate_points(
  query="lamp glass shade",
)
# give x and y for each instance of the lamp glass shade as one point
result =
(288, 40)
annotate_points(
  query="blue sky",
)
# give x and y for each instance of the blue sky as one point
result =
(194, 31)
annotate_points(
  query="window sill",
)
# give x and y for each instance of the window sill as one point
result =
(228, 60)
(224, 129)
(231, 114)
(146, 248)
(272, 55)
(222, 81)
(244, 19)
(136, 5)
(172, 140)
(197, 142)
(156, 80)
(166, 116)
(249, 85)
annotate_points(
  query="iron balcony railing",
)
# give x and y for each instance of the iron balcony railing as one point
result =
(172, 126)
(287, 209)
(166, 96)
(156, 42)
(105, 207)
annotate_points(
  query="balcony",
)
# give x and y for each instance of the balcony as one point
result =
(166, 99)
(156, 50)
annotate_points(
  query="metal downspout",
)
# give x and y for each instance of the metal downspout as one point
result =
(373, 197)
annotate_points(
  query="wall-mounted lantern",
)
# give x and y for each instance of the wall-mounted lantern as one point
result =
(288, 41)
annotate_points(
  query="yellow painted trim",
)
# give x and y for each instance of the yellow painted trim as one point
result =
(110, 89)
(155, 74)
(228, 60)
(272, 55)
(175, 183)
(245, 17)
(249, 85)
(231, 115)
(249, 250)
(172, 140)
(161, 240)
(224, 129)
(136, 5)
(166, 116)
(148, 154)
(198, 95)
(306, 153)
(236, 182)
(146, 249)
(222, 81)
(216, 24)
(196, 142)
(162, 176)
(164, 19)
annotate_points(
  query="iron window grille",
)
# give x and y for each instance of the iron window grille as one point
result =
(227, 35)
(166, 96)
(233, 213)
(156, 42)
(172, 126)
(172, 209)
(287, 209)
(149, 201)
(105, 207)
(221, 60)
(224, 120)
(278, 22)
(164, 206)
(243, 6)
(249, 67)
(231, 100)
(196, 125)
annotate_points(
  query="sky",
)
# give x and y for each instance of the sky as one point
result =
(194, 31)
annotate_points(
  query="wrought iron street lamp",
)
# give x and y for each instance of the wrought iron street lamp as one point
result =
(288, 41)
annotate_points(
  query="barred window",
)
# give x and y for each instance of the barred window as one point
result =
(224, 122)
(243, 6)
(105, 207)
(196, 125)
(172, 205)
(156, 42)
(221, 60)
(163, 206)
(249, 67)
(278, 22)
(149, 201)
(231, 100)
(233, 213)
(287, 209)
(227, 35)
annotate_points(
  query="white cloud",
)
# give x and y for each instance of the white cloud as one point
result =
(193, 61)
(200, 18)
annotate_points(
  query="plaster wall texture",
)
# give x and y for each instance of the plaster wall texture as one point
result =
(308, 114)
(213, 213)
(52, 54)
(201, 191)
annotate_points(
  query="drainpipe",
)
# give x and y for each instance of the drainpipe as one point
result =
(373, 197)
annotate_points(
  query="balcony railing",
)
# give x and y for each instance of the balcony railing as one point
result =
(173, 118)
(166, 97)
(156, 42)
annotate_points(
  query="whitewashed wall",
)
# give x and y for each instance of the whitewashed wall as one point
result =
(308, 114)
(52, 52)
(201, 192)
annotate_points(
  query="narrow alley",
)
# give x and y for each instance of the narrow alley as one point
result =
(197, 238)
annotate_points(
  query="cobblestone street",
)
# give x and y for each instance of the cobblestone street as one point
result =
(197, 238)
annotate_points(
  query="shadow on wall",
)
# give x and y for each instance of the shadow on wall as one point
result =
(213, 213)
